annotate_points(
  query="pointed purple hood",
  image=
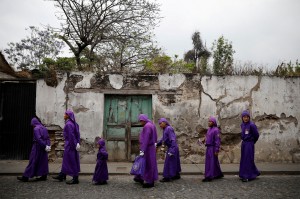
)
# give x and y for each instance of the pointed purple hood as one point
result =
(35, 122)
(245, 113)
(163, 120)
(143, 117)
(72, 118)
(101, 142)
(213, 119)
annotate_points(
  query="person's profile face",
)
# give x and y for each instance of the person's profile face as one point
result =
(162, 125)
(210, 123)
(246, 118)
(66, 117)
(142, 122)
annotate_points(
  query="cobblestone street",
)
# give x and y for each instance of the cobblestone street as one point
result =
(122, 186)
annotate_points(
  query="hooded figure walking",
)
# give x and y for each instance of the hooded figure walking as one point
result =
(70, 164)
(100, 176)
(172, 166)
(249, 136)
(147, 140)
(38, 159)
(212, 143)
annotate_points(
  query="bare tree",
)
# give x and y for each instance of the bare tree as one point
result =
(130, 52)
(92, 23)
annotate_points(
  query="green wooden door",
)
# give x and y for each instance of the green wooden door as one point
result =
(121, 125)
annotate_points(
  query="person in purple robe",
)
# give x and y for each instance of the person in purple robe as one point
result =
(249, 136)
(147, 140)
(38, 159)
(172, 166)
(212, 143)
(100, 176)
(70, 164)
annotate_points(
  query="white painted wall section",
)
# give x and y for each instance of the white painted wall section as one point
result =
(89, 110)
(116, 81)
(171, 81)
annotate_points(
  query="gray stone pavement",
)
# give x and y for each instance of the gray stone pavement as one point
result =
(16, 167)
(123, 187)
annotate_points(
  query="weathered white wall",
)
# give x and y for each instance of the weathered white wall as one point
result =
(50, 102)
(187, 101)
(87, 106)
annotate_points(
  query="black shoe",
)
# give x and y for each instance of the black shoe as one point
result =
(219, 176)
(100, 183)
(138, 180)
(60, 178)
(206, 180)
(165, 180)
(148, 185)
(245, 180)
(42, 178)
(73, 181)
(176, 177)
(23, 179)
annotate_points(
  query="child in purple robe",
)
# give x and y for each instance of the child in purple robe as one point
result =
(172, 166)
(38, 160)
(101, 172)
(70, 164)
(212, 143)
(147, 140)
(249, 136)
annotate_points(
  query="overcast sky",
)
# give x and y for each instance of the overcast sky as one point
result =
(264, 32)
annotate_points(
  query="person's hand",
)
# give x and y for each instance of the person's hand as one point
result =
(77, 146)
(141, 153)
(48, 148)
(155, 145)
(216, 153)
(170, 154)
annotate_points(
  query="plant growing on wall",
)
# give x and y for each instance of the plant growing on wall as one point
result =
(199, 55)
(222, 56)
(288, 69)
(158, 64)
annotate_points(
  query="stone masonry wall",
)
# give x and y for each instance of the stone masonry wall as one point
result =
(186, 100)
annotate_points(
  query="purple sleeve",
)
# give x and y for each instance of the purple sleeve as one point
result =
(164, 137)
(254, 132)
(47, 138)
(170, 135)
(104, 154)
(38, 136)
(70, 133)
(77, 133)
(159, 143)
(145, 136)
(217, 140)
(48, 142)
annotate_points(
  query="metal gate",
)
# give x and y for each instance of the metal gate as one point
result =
(17, 107)
(121, 125)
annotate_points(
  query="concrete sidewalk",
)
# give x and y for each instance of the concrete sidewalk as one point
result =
(17, 167)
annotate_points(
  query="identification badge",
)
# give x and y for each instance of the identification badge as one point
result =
(246, 131)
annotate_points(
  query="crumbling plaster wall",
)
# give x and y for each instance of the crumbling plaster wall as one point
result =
(187, 100)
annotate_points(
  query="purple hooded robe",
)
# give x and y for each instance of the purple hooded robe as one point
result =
(172, 162)
(101, 171)
(212, 143)
(147, 140)
(249, 136)
(70, 164)
(38, 159)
